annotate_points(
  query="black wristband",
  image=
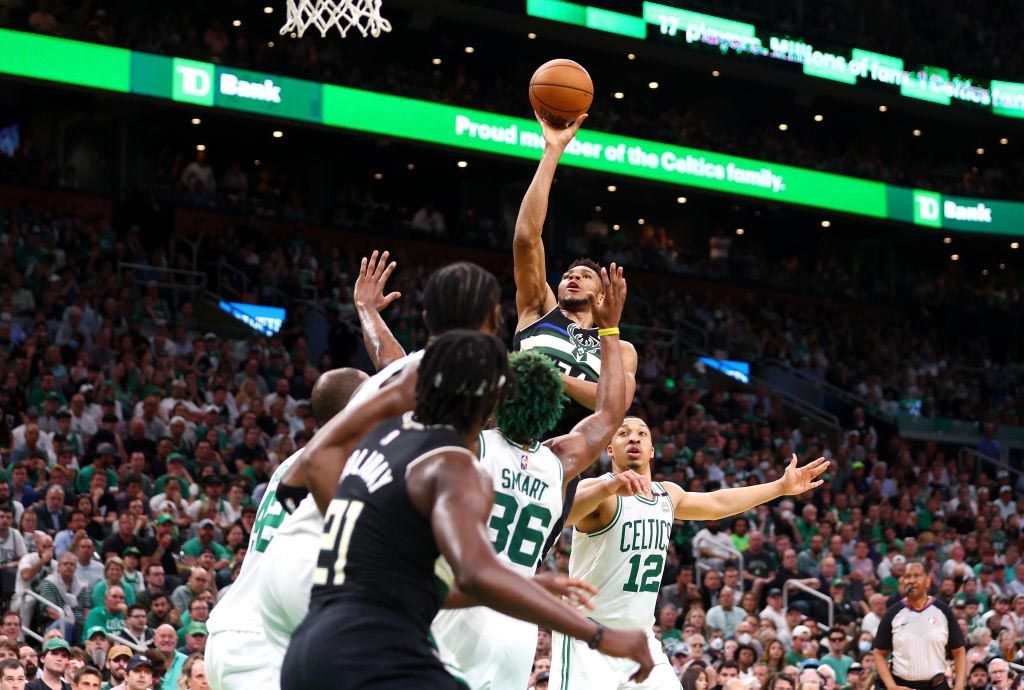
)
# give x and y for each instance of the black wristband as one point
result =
(291, 496)
(595, 641)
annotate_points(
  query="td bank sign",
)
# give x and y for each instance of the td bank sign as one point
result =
(930, 210)
(203, 84)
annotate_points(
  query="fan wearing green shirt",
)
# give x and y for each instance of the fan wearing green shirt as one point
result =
(105, 453)
(890, 586)
(110, 617)
(836, 659)
(801, 636)
(205, 540)
(175, 471)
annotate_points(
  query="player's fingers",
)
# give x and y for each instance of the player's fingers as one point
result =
(576, 583)
(388, 270)
(381, 265)
(815, 485)
(575, 126)
(391, 297)
(373, 260)
(792, 463)
(362, 267)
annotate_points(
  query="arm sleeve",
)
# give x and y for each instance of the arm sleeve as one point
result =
(883, 637)
(956, 635)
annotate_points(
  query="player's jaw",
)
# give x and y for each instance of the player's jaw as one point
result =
(631, 447)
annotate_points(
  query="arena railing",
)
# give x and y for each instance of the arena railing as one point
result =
(796, 584)
(997, 463)
(699, 568)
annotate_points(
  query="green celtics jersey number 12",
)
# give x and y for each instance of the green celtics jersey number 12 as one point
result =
(625, 560)
(527, 498)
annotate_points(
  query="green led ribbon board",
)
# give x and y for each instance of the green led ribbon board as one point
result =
(205, 85)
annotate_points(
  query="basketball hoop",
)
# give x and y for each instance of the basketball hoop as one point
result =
(364, 15)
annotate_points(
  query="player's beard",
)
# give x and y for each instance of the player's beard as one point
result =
(573, 304)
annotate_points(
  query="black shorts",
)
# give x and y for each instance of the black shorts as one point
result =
(341, 646)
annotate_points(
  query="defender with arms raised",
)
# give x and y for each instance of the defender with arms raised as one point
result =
(623, 522)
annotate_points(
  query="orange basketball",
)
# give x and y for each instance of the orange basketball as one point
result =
(560, 91)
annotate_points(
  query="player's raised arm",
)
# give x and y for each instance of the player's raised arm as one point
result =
(582, 446)
(594, 495)
(323, 459)
(370, 300)
(725, 502)
(533, 294)
(459, 498)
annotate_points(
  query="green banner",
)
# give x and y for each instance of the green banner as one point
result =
(215, 86)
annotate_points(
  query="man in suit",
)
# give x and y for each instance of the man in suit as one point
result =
(52, 513)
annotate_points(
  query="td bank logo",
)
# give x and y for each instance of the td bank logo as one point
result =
(193, 82)
(196, 82)
(927, 209)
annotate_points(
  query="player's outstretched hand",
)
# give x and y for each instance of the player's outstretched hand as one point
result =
(373, 276)
(573, 590)
(629, 644)
(797, 480)
(629, 483)
(607, 309)
(559, 137)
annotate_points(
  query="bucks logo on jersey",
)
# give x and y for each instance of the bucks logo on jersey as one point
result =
(576, 350)
(586, 344)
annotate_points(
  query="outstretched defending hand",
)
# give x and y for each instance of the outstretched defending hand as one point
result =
(557, 137)
(797, 480)
(373, 276)
(607, 309)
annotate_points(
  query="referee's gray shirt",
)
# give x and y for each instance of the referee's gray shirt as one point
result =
(919, 640)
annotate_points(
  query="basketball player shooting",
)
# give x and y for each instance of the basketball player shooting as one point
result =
(623, 522)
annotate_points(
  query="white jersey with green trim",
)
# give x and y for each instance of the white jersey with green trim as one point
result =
(625, 559)
(236, 610)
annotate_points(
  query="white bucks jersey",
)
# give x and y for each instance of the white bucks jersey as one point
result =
(527, 498)
(625, 560)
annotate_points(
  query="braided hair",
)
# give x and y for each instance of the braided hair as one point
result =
(460, 379)
(533, 404)
(459, 295)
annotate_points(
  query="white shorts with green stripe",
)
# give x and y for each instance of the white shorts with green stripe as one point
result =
(574, 666)
(486, 649)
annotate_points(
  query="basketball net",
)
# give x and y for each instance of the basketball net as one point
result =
(364, 15)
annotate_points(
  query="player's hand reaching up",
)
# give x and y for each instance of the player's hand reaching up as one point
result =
(557, 137)
(607, 309)
(797, 480)
(373, 276)
(629, 644)
(629, 483)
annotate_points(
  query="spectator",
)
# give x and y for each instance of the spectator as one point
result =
(198, 582)
(195, 638)
(113, 573)
(108, 618)
(836, 659)
(53, 514)
(166, 641)
(726, 616)
(117, 664)
(88, 570)
(54, 659)
(193, 673)
(140, 674)
(12, 675)
(33, 568)
(712, 546)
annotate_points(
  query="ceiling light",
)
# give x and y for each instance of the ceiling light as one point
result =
(597, 208)
(640, 221)
(819, 118)
(947, 240)
(783, 127)
(268, 10)
(917, 132)
(715, 73)
(200, 147)
(256, 162)
(196, 121)
(1004, 141)
(462, 164)
(436, 61)
(378, 176)
(980, 151)
(631, 56)
(652, 85)
(882, 108)
(740, 231)
(270, 44)
(984, 272)
(237, 23)
(612, 188)
(826, 224)
(278, 134)
(680, 199)
(955, 257)
(1002, 267)
(410, 166)
(615, 227)
(531, 35)
(619, 95)
(469, 50)
(1014, 245)
(293, 35)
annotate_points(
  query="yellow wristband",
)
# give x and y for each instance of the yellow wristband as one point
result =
(601, 332)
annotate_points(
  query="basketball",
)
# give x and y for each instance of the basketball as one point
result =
(560, 91)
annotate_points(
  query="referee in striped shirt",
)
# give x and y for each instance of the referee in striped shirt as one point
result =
(919, 631)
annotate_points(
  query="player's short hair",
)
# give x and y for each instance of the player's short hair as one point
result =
(333, 390)
(533, 400)
(586, 263)
(459, 296)
(460, 379)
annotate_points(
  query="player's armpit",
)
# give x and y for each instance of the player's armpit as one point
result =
(592, 495)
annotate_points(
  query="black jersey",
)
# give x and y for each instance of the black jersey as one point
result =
(377, 550)
(576, 351)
